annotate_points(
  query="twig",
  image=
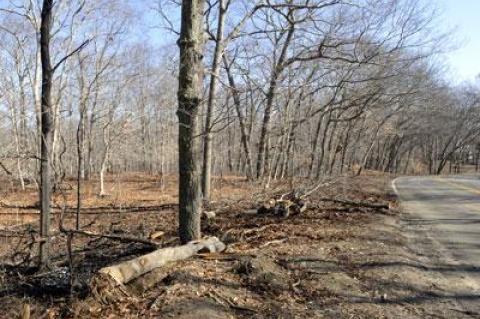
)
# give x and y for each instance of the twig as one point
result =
(276, 241)
(321, 184)
(5, 169)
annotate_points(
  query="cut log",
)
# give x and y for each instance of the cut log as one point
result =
(127, 271)
(283, 207)
(267, 207)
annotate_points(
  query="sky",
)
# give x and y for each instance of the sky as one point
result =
(464, 15)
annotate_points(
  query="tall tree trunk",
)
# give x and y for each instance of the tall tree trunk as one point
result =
(207, 150)
(407, 163)
(89, 148)
(19, 124)
(189, 99)
(345, 145)
(80, 139)
(313, 152)
(37, 95)
(243, 127)
(80, 142)
(329, 152)
(46, 129)
(105, 157)
(19, 147)
(278, 68)
(477, 156)
(231, 139)
(278, 155)
(369, 150)
(322, 148)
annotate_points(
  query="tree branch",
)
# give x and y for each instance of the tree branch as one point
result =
(78, 49)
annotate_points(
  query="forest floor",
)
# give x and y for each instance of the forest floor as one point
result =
(332, 261)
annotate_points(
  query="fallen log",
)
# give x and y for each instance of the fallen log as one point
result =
(126, 271)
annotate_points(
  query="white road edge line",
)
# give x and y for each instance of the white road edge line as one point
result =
(394, 186)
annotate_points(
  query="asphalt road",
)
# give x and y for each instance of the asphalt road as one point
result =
(447, 210)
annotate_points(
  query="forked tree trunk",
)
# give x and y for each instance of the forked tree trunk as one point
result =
(189, 99)
(46, 132)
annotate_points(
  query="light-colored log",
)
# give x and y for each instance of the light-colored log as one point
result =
(157, 234)
(126, 271)
(26, 311)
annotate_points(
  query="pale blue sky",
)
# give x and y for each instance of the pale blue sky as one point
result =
(465, 16)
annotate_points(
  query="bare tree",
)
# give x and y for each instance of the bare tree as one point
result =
(189, 99)
(217, 58)
(46, 129)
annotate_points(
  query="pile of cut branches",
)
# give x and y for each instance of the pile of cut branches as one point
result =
(291, 203)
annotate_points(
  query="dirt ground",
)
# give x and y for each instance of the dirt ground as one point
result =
(332, 261)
